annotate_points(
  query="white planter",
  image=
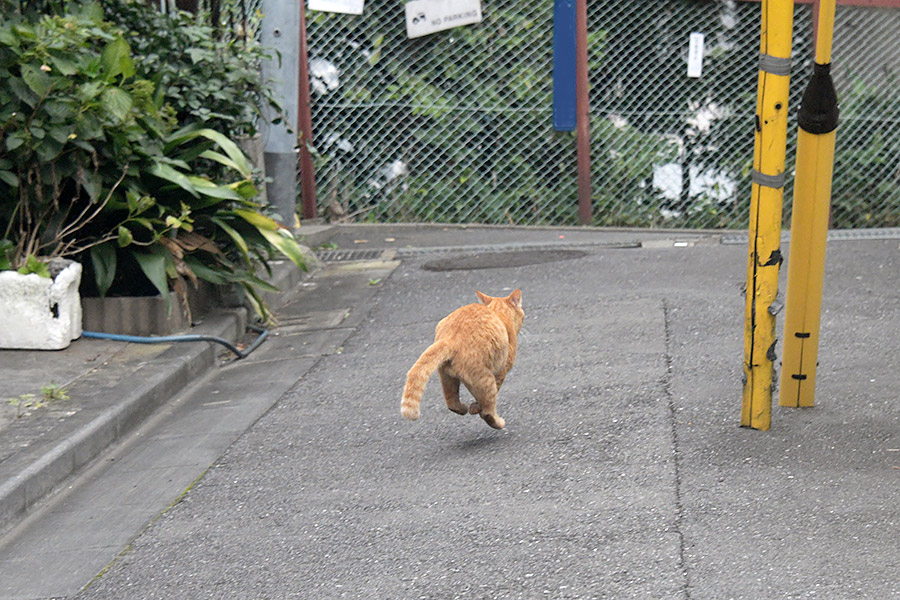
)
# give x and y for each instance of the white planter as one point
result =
(37, 313)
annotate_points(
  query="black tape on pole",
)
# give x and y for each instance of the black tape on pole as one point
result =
(819, 108)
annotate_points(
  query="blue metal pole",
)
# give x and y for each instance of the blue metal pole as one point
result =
(564, 114)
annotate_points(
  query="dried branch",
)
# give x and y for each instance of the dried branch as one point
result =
(81, 220)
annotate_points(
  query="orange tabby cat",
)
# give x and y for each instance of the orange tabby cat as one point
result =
(475, 344)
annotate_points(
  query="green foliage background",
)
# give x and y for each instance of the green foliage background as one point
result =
(464, 117)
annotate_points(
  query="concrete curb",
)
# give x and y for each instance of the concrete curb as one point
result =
(41, 468)
(35, 472)
(314, 234)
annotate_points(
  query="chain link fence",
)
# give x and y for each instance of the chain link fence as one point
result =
(232, 19)
(457, 126)
(238, 19)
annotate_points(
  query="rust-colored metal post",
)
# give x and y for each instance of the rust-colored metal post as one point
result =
(582, 110)
(304, 120)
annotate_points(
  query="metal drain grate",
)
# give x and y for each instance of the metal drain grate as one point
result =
(887, 233)
(744, 238)
(329, 256)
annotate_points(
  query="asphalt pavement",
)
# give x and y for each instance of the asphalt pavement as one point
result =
(621, 473)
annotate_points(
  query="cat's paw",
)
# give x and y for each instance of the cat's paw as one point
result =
(474, 408)
(494, 421)
(459, 408)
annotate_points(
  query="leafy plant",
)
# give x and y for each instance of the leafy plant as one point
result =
(194, 228)
(202, 78)
(69, 110)
(25, 403)
(91, 166)
(54, 391)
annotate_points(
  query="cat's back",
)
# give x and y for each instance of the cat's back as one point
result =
(470, 323)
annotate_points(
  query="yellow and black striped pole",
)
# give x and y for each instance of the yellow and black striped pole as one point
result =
(817, 119)
(764, 253)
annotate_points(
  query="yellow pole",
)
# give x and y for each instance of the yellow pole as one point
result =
(764, 253)
(818, 118)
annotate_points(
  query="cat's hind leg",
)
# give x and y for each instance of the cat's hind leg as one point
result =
(475, 408)
(484, 389)
(499, 379)
(450, 385)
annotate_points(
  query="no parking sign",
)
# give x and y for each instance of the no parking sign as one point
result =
(429, 16)
(351, 7)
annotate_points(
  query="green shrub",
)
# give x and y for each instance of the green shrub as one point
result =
(74, 122)
(91, 166)
(203, 79)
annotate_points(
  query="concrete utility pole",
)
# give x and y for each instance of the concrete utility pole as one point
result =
(281, 33)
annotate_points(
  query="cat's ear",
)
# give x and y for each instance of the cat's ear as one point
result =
(516, 298)
(485, 299)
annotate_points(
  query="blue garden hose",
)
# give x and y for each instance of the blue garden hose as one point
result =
(182, 338)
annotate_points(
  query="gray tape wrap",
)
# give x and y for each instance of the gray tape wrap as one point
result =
(772, 181)
(774, 65)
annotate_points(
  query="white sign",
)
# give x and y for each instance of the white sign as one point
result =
(429, 16)
(695, 55)
(351, 7)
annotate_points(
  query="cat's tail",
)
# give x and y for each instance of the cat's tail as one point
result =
(418, 376)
